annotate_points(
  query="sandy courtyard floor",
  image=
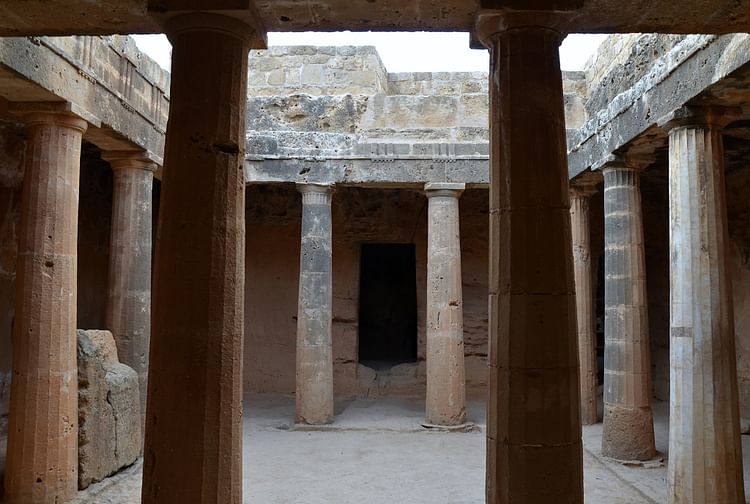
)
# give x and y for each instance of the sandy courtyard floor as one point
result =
(378, 452)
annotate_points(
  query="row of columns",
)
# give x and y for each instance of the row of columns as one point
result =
(193, 417)
(42, 454)
(194, 389)
(445, 396)
(705, 456)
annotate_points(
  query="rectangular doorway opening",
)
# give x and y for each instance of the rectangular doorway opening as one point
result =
(388, 305)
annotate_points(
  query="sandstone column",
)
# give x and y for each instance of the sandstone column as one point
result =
(446, 378)
(580, 196)
(628, 431)
(42, 458)
(194, 414)
(705, 451)
(314, 395)
(534, 452)
(129, 295)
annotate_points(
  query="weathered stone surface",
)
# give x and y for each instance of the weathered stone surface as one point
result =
(112, 84)
(344, 125)
(585, 311)
(628, 431)
(446, 369)
(533, 356)
(689, 66)
(109, 412)
(129, 292)
(43, 391)
(314, 390)
(195, 359)
(705, 451)
(24, 17)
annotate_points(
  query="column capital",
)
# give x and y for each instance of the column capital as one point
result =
(702, 115)
(241, 19)
(64, 114)
(449, 189)
(129, 160)
(634, 163)
(319, 194)
(498, 16)
(315, 188)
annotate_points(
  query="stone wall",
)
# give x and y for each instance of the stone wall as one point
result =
(340, 103)
(359, 216)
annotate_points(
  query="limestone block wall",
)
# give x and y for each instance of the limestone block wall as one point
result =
(316, 71)
(340, 102)
(620, 62)
(359, 216)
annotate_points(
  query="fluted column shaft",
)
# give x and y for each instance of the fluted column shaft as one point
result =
(705, 451)
(42, 457)
(129, 292)
(534, 452)
(580, 198)
(446, 376)
(194, 414)
(628, 431)
(314, 390)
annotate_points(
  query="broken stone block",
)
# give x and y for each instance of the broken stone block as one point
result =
(109, 413)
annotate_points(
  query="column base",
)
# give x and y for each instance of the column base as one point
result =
(628, 433)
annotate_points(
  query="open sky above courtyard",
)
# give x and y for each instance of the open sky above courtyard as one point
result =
(402, 51)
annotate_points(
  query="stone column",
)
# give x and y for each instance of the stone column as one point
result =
(42, 457)
(314, 394)
(534, 452)
(628, 431)
(446, 377)
(705, 451)
(194, 414)
(129, 295)
(580, 196)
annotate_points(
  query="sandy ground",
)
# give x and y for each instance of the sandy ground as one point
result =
(377, 452)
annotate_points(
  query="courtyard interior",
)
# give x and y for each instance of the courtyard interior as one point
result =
(378, 451)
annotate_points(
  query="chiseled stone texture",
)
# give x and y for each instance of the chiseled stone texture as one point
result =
(112, 84)
(109, 412)
(340, 103)
(652, 76)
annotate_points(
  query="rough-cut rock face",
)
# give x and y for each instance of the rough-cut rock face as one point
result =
(109, 434)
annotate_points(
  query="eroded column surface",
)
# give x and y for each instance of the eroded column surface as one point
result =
(314, 390)
(534, 452)
(446, 376)
(129, 294)
(628, 431)
(42, 457)
(580, 198)
(705, 451)
(194, 413)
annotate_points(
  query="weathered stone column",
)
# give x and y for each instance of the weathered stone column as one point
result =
(314, 395)
(628, 431)
(129, 295)
(580, 196)
(446, 377)
(705, 451)
(534, 452)
(42, 457)
(194, 413)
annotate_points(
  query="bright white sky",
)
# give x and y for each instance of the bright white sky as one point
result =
(401, 51)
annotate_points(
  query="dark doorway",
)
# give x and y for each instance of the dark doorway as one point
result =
(388, 305)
